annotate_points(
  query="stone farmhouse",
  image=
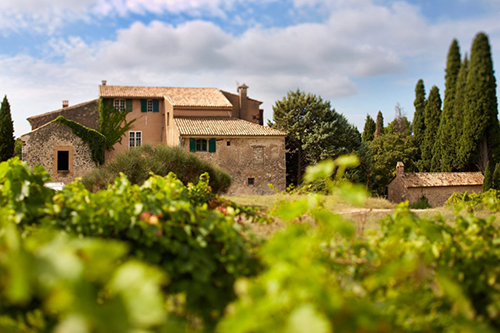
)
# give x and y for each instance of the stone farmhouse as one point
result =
(437, 187)
(223, 128)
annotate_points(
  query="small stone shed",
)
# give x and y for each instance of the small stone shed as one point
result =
(437, 187)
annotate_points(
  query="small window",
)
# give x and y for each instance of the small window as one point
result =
(135, 139)
(62, 161)
(201, 145)
(228, 143)
(119, 104)
(150, 106)
(251, 181)
(168, 118)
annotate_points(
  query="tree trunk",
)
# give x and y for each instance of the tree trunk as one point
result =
(483, 155)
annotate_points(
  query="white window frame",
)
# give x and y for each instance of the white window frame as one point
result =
(149, 107)
(120, 104)
(134, 139)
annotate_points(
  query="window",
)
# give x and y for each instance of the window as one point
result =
(135, 139)
(62, 161)
(228, 143)
(251, 181)
(201, 145)
(119, 104)
(168, 118)
(151, 105)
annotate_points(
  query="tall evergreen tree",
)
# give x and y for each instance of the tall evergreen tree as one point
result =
(379, 128)
(481, 133)
(458, 109)
(432, 118)
(7, 141)
(488, 176)
(445, 145)
(369, 129)
(418, 123)
(495, 182)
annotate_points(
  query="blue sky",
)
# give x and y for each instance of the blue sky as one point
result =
(362, 55)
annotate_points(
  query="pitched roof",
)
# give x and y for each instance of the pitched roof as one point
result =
(222, 126)
(85, 113)
(195, 97)
(438, 179)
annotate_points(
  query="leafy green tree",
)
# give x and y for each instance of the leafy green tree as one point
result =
(400, 124)
(7, 142)
(379, 128)
(386, 151)
(315, 131)
(488, 176)
(369, 129)
(445, 144)
(495, 182)
(432, 118)
(481, 133)
(113, 124)
(459, 107)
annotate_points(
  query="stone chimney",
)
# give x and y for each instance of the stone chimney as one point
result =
(104, 82)
(400, 168)
(65, 103)
(242, 90)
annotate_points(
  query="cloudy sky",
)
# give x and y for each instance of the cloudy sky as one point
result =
(362, 55)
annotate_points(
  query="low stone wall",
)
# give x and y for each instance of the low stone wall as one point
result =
(260, 159)
(40, 148)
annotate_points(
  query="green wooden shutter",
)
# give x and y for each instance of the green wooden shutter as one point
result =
(128, 106)
(211, 146)
(156, 106)
(192, 145)
(144, 105)
(108, 103)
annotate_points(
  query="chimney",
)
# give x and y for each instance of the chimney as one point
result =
(400, 168)
(65, 103)
(242, 90)
(103, 82)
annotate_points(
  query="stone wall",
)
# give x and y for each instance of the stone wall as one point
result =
(437, 196)
(41, 146)
(260, 158)
(86, 114)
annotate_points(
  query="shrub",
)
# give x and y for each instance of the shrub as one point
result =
(422, 203)
(138, 163)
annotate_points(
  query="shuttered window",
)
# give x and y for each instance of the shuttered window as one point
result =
(202, 145)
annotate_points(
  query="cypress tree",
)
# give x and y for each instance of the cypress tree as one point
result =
(379, 128)
(445, 145)
(432, 118)
(481, 134)
(7, 141)
(369, 129)
(418, 117)
(488, 177)
(495, 182)
(459, 112)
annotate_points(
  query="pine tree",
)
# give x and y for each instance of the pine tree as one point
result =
(432, 117)
(379, 128)
(459, 106)
(480, 141)
(444, 152)
(7, 141)
(495, 182)
(369, 129)
(488, 176)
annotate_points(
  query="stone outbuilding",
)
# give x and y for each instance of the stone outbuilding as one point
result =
(437, 187)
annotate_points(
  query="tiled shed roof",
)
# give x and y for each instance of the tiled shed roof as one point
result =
(196, 97)
(438, 179)
(222, 126)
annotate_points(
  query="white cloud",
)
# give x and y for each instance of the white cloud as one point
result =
(329, 58)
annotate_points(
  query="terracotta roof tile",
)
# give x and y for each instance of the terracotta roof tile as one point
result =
(222, 126)
(196, 97)
(436, 179)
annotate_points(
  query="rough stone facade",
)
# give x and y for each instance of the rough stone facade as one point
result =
(260, 159)
(46, 141)
(437, 187)
(86, 114)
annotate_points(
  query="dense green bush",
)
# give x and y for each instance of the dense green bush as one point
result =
(422, 203)
(489, 199)
(138, 163)
(164, 222)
